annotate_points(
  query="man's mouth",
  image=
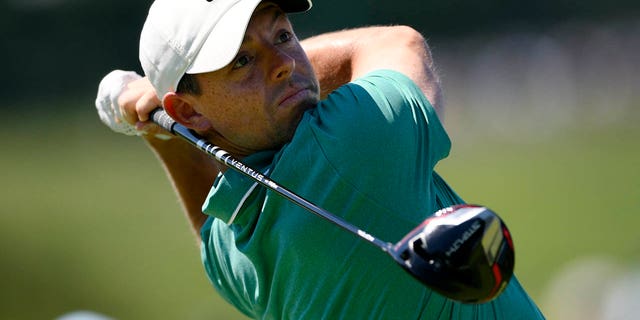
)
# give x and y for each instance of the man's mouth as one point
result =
(294, 97)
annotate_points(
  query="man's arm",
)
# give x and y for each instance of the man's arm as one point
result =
(191, 173)
(342, 56)
(124, 98)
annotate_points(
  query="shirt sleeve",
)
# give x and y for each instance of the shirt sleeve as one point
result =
(382, 127)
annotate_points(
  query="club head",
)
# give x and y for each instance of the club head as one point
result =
(463, 252)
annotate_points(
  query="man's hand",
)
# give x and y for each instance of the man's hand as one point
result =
(124, 102)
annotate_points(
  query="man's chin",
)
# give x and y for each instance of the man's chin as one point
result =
(289, 133)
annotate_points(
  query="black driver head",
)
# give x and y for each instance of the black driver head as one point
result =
(463, 252)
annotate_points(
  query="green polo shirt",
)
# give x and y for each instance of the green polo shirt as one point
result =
(367, 154)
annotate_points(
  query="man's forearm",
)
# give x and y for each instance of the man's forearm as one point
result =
(191, 173)
(330, 55)
(341, 56)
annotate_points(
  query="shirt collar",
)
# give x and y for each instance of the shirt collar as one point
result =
(232, 188)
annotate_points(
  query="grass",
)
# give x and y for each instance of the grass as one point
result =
(90, 222)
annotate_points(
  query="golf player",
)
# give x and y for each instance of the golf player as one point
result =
(348, 120)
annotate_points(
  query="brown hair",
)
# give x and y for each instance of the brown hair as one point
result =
(188, 84)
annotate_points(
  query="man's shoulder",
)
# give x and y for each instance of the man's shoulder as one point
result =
(386, 86)
(383, 77)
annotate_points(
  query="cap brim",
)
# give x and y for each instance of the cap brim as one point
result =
(292, 6)
(225, 38)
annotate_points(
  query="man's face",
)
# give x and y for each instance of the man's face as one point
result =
(256, 102)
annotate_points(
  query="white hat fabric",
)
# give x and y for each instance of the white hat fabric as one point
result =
(196, 36)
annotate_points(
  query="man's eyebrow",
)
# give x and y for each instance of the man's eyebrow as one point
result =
(277, 13)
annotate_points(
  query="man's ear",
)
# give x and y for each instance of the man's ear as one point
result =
(182, 111)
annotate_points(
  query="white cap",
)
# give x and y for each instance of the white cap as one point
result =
(196, 36)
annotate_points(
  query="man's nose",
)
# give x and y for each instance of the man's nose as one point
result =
(283, 65)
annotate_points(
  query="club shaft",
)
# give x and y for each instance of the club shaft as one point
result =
(161, 118)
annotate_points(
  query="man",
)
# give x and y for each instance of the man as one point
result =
(347, 120)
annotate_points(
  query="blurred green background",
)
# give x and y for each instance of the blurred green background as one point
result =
(542, 107)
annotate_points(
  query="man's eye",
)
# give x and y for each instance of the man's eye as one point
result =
(241, 61)
(285, 36)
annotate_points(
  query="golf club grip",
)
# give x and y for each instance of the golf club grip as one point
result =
(161, 118)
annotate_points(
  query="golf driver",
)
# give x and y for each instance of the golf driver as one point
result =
(464, 252)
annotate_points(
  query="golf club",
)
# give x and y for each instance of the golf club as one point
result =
(463, 252)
